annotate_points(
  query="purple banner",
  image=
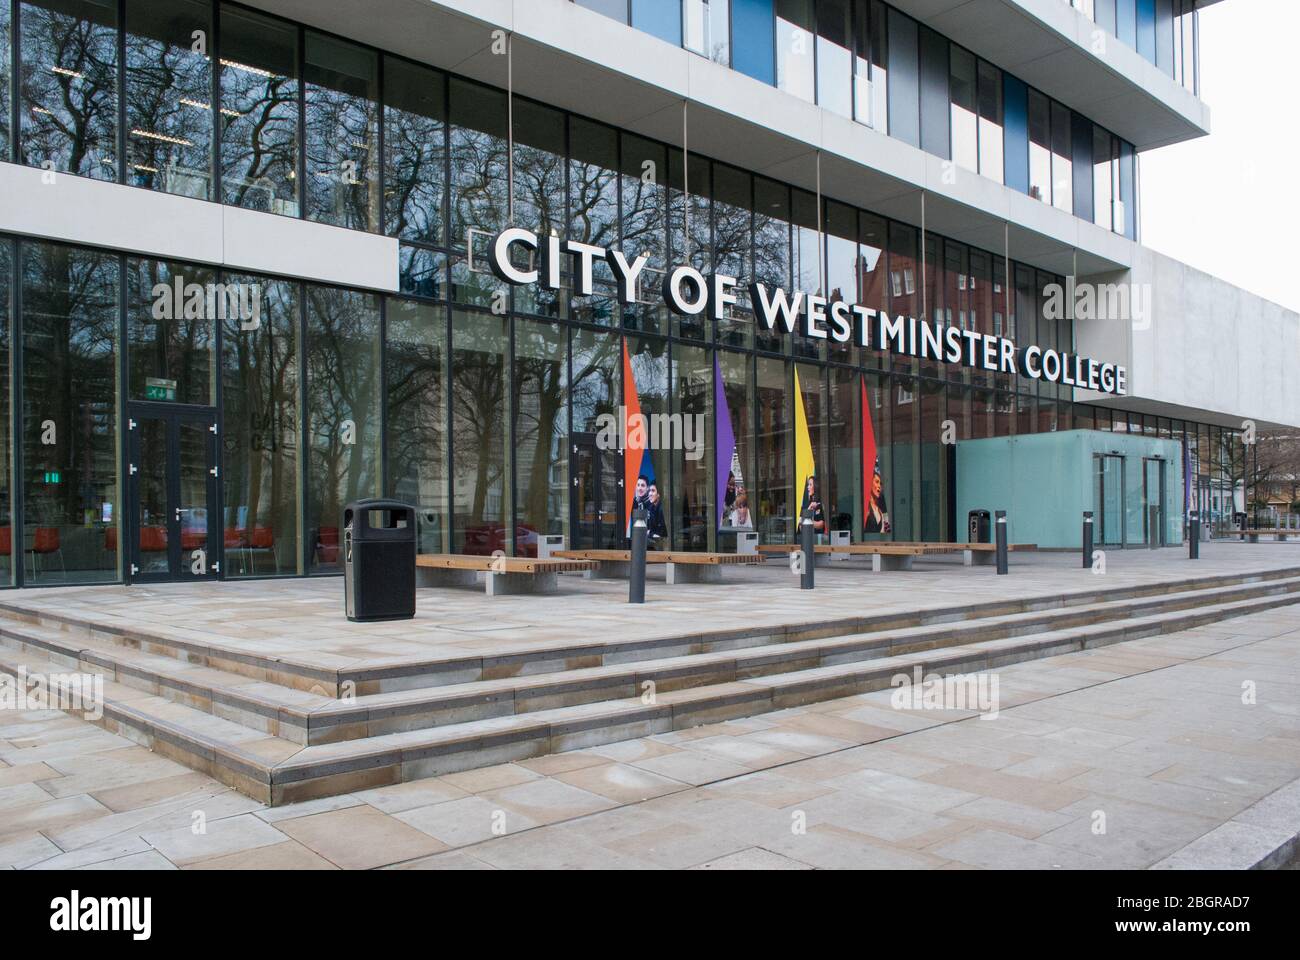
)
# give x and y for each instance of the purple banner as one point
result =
(725, 436)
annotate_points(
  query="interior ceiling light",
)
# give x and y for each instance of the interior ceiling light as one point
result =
(165, 138)
(246, 68)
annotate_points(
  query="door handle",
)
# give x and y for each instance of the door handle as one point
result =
(178, 514)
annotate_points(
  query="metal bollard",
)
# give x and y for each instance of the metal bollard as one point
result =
(1153, 527)
(1087, 539)
(1001, 524)
(1194, 536)
(636, 575)
(807, 539)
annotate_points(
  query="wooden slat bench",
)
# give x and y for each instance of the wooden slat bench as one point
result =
(1280, 532)
(973, 554)
(683, 566)
(884, 554)
(505, 575)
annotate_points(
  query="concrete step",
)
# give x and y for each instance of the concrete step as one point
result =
(196, 648)
(309, 718)
(276, 770)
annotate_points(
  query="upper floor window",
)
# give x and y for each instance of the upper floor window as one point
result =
(1062, 159)
(964, 122)
(610, 8)
(260, 138)
(169, 115)
(342, 135)
(991, 129)
(68, 106)
(794, 48)
(834, 59)
(707, 28)
(1040, 147)
(870, 72)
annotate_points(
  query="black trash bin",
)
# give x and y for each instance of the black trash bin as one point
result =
(379, 560)
(979, 527)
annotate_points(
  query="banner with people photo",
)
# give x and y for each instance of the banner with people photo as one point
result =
(875, 505)
(640, 486)
(733, 499)
(805, 466)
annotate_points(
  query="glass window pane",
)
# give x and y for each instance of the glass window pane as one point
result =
(1102, 177)
(263, 508)
(171, 340)
(649, 361)
(479, 165)
(842, 267)
(259, 112)
(662, 18)
(809, 269)
(169, 96)
(771, 250)
(990, 110)
(690, 509)
(645, 226)
(342, 93)
(540, 195)
(417, 417)
(69, 86)
(1062, 153)
(834, 59)
(772, 484)
(343, 411)
(6, 440)
(610, 8)
(794, 47)
(1040, 147)
(688, 231)
(593, 209)
(5, 68)
(879, 67)
(961, 89)
(415, 117)
(69, 328)
(732, 233)
(707, 28)
(479, 348)
(541, 430)
(740, 500)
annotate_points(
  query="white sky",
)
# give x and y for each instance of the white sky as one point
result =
(1229, 203)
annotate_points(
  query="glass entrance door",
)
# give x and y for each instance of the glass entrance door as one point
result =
(1109, 511)
(597, 506)
(172, 492)
(1153, 501)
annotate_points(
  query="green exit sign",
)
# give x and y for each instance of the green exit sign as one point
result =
(53, 476)
(156, 388)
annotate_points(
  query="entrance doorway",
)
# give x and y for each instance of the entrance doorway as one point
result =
(171, 522)
(1153, 501)
(597, 494)
(1110, 515)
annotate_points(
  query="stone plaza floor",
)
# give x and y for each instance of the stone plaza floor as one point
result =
(1179, 750)
(300, 620)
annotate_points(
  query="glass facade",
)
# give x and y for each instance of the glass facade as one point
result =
(290, 122)
(473, 401)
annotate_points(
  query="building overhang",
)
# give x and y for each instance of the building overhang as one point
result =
(1052, 46)
(569, 57)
